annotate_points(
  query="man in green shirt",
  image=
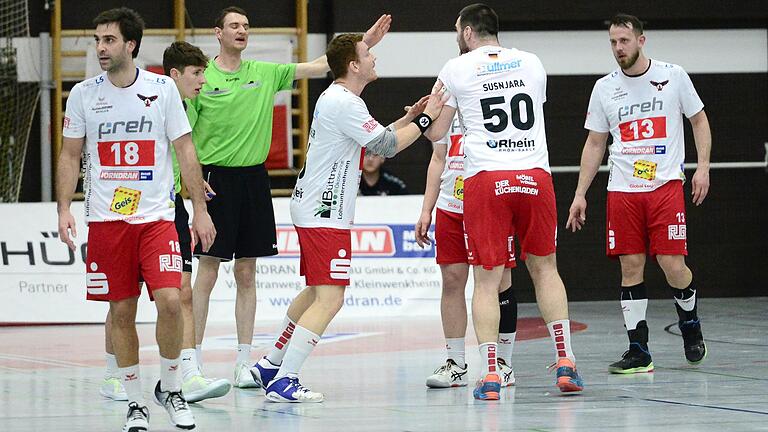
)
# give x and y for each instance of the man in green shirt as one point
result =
(232, 129)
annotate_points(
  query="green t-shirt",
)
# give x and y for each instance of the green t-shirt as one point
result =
(231, 118)
(176, 168)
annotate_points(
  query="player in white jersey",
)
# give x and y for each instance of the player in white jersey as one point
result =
(641, 105)
(323, 207)
(445, 189)
(125, 121)
(500, 94)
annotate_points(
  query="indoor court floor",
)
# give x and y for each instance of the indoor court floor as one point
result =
(372, 373)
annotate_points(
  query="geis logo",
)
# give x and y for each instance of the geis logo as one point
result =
(147, 99)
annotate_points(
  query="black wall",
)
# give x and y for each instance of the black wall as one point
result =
(727, 234)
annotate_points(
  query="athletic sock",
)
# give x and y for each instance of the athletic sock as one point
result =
(277, 352)
(244, 353)
(685, 302)
(132, 384)
(634, 303)
(506, 346)
(189, 363)
(488, 357)
(112, 368)
(454, 350)
(507, 324)
(560, 331)
(302, 344)
(199, 356)
(169, 375)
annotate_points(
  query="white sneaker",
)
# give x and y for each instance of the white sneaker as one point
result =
(176, 406)
(506, 373)
(243, 377)
(137, 419)
(112, 388)
(198, 388)
(448, 375)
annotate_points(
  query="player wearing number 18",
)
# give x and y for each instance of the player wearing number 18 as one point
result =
(500, 94)
(641, 105)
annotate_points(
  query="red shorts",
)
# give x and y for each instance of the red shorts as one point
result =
(451, 242)
(326, 255)
(647, 222)
(120, 255)
(497, 203)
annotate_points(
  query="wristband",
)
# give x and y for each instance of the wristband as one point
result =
(423, 121)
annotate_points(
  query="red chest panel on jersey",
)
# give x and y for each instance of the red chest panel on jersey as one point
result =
(127, 153)
(643, 129)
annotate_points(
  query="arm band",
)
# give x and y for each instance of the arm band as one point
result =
(423, 121)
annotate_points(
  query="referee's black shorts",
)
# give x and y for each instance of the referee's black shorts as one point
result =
(241, 211)
(185, 237)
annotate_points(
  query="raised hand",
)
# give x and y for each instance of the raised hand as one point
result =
(377, 31)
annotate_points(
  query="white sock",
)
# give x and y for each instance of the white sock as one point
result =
(488, 357)
(199, 356)
(560, 331)
(111, 365)
(132, 383)
(169, 375)
(454, 350)
(506, 345)
(277, 352)
(244, 353)
(189, 363)
(634, 312)
(303, 342)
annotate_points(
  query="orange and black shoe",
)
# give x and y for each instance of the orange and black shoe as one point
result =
(568, 380)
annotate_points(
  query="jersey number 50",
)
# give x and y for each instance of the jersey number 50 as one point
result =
(492, 113)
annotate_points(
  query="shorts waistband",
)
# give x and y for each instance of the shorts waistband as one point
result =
(253, 169)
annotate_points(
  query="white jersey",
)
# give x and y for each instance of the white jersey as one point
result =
(643, 114)
(326, 189)
(451, 197)
(500, 94)
(128, 133)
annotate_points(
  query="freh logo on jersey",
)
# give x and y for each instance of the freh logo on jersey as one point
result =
(147, 99)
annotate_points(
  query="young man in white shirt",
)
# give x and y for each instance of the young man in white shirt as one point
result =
(641, 104)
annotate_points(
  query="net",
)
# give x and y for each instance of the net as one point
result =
(18, 99)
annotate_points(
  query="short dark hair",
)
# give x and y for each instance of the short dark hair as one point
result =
(130, 23)
(481, 18)
(625, 20)
(341, 51)
(226, 11)
(182, 54)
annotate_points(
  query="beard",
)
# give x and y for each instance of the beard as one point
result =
(628, 61)
(463, 48)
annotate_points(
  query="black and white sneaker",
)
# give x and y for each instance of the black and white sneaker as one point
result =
(137, 419)
(693, 341)
(448, 375)
(176, 405)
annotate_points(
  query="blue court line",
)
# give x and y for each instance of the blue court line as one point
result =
(697, 405)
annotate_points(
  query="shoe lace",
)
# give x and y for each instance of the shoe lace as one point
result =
(136, 412)
(177, 401)
(297, 385)
(446, 367)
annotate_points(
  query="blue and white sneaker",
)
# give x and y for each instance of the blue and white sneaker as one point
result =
(288, 389)
(264, 371)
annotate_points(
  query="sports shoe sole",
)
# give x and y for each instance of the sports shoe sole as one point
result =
(117, 397)
(641, 369)
(488, 396)
(210, 392)
(694, 363)
(567, 386)
(440, 384)
(170, 421)
(279, 399)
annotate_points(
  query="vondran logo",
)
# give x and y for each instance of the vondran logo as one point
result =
(373, 240)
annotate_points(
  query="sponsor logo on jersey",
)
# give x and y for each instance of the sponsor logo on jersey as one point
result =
(510, 145)
(147, 99)
(96, 283)
(100, 79)
(653, 105)
(251, 84)
(340, 267)
(138, 175)
(370, 125)
(645, 150)
(133, 126)
(458, 188)
(644, 170)
(503, 187)
(66, 122)
(170, 263)
(496, 67)
(676, 232)
(125, 201)
(526, 179)
(327, 197)
(501, 85)
(659, 85)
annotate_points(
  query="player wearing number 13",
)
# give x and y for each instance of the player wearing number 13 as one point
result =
(641, 105)
(500, 94)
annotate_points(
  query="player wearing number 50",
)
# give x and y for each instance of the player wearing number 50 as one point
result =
(125, 120)
(641, 105)
(500, 94)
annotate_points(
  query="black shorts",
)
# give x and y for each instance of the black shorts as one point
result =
(241, 211)
(185, 237)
